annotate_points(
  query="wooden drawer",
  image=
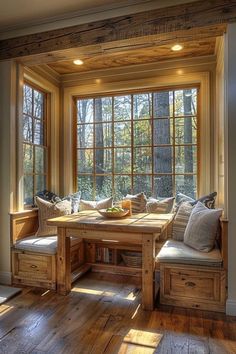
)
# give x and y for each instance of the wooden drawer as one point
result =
(193, 287)
(34, 269)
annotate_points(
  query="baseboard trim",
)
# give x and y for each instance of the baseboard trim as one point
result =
(231, 307)
(5, 278)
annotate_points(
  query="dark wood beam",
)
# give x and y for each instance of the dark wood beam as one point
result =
(153, 22)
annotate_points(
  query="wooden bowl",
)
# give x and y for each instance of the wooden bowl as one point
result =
(114, 214)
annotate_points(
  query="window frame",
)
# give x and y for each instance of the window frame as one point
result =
(133, 92)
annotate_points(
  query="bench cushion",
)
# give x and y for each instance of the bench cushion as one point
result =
(47, 245)
(177, 252)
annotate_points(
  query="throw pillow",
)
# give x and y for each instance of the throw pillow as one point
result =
(181, 220)
(74, 199)
(201, 230)
(164, 206)
(92, 204)
(208, 200)
(47, 211)
(49, 196)
(138, 202)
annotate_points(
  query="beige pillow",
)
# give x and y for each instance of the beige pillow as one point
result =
(138, 202)
(164, 206)
(181, 220)
(47, 211)
(92, 204)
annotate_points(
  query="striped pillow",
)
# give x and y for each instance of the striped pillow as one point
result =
(181, 220)
(138, 202)
(160, 206)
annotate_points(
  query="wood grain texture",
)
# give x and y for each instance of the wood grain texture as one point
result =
(101, 316)
(165, 20)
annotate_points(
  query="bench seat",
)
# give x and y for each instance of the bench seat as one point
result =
(178, 253)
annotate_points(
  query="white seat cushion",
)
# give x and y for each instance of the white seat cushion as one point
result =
(177, 252)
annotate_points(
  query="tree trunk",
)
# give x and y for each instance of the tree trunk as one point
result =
(99, 143)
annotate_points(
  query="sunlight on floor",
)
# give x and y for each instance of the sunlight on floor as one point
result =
(138, 341)
(4, 309)
(93, 292)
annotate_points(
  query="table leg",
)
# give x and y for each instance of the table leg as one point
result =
(63, 263)
(147, 271)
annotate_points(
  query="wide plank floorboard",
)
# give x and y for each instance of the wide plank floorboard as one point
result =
(103, 315)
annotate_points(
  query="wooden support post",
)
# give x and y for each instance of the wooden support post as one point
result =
(148, 250)
(63, 263)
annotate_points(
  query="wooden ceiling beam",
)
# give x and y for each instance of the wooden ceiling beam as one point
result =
(184, 17)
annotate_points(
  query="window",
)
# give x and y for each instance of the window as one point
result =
(34, 142)
(137, 142)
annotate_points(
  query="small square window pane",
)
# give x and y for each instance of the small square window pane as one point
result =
(38, 132)
(142, 132)
(85, 161)
(122, 161)
(163, 104)
(163, 186)
(142, 184)
(28, 158)
(122, 186)
(103, 187)
(103, 161)
(38, 104)
(103, 109)
(185, 159)
(186, 102)
(85, 185)
(85, 111)
(27, 128)
(186, 184)
(163, 159)
(39, 160)
(28, 190)
(142, 106)
(28, 100)
(85, 135)
(186, 130)
(122, 134)
(162, 131)
(142, 160)
(122, 107)
(103, 135)
(40, 183)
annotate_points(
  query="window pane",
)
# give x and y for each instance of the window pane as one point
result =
(85, 185)
(186, 159)
(85, 135)
(103, 161)
(162, 131)
(185, 102)
(142, 160)
(142, 105)
(143, 184)
(186, 185)
(40, 183)
(39, 160)
(28, 99)
(163, 104)
(28, 190)
(38, 104)
(163, 186)
(27, 129)
(85, 161)
(185, 131)
(103, 109)
(103, 187)
(28, 158)
(122, 134)
(38, 132)
(122, 186)
(103, 135)
(122, 107)
(163, 159)
(142, 132)
(85, 111)
(122, 160)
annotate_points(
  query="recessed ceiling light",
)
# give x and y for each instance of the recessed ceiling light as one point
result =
(78, 62)
(177, 47)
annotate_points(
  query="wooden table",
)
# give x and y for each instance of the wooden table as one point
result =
(140, 229)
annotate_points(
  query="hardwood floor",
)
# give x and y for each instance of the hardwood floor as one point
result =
(100, 316)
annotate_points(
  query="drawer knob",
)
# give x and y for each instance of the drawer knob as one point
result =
(190, 284)
(33, 266)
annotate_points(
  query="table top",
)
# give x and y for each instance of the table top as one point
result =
(92, 220)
